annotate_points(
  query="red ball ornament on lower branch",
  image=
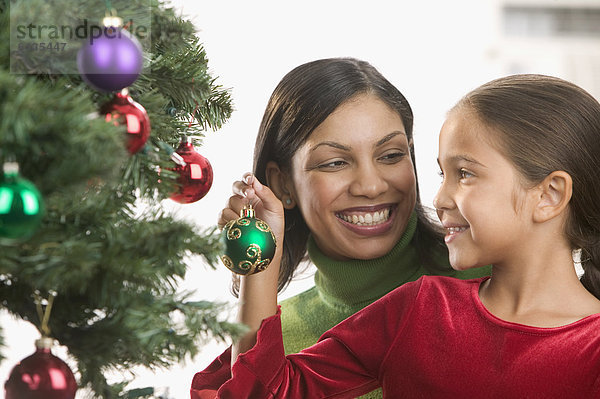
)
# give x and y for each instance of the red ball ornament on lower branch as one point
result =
(195, 176)
(123, 111)
(41, 376)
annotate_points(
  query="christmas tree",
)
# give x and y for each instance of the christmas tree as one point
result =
(105, 251)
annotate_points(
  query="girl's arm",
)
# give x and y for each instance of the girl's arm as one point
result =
(346, 362)
(258, 292)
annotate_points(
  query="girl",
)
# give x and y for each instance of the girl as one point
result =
(335, 147)
(520, 191)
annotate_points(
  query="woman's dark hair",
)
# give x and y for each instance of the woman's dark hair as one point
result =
(546, 124)
(303, 99)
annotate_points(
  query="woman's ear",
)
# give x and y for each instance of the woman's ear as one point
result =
(555, 192)
(281, 184)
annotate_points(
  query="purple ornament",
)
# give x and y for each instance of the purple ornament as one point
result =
(111, 61)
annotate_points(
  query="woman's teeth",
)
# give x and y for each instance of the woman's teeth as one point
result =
(366, 219)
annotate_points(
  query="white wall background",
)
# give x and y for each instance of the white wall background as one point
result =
(433, 51)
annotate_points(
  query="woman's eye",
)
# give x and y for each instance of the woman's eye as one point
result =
(332, 165)
(393, 157)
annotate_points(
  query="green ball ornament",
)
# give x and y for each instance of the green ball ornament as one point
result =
(21, 205)
(249, 244)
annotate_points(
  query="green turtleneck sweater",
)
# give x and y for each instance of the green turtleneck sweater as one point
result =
(344, 287)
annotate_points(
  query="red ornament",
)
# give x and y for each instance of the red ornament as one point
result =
(195, 177)
(41, 376)
(122, 110)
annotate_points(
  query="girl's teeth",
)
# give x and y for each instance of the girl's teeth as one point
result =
(367, 219)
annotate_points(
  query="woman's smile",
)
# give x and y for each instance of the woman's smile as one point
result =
(354, 180)
(368, 220)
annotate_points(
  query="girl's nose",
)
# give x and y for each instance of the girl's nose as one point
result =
(442, 199)
(368, 181)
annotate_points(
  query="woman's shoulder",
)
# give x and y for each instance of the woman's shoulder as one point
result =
(301, 298)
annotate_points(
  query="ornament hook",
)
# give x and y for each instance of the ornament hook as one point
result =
(111, 19)
(10, 167)
(44, 313)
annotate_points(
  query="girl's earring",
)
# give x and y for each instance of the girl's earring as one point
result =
(288, 201)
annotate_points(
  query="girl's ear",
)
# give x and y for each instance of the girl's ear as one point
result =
(554, 195)
(281, 184)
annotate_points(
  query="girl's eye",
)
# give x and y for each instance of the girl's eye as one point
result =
(393, 157)
(464, 174)
(441, 174)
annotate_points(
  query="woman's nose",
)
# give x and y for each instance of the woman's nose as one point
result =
(368, 181)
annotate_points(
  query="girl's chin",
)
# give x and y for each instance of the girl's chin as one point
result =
(461, 266)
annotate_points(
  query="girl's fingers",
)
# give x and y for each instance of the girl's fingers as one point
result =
(248, 178)
(242, 189)
(251, 191)
(232, 209)
(269, 201)
(225, 216)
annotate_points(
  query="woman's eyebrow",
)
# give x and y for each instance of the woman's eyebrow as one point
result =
(331, 144)
(388, 137)
(343, 147)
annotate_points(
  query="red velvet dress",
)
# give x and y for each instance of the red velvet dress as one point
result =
(429, 339)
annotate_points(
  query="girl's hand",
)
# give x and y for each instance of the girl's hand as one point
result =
(266, 205)
(258, 292)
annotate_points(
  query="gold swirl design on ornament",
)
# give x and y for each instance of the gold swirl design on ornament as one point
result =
(262, 265)
(234, 233)
(262, 226)
(243, 222)
(227, 262)
(253, 252)
(246, 265)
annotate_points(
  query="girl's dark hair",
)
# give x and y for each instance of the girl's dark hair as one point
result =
(546, 124)
(303, 99)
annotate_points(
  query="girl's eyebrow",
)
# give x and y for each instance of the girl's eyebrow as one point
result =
(339, 146)
(464, 158)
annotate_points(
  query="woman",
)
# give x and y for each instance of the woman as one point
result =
(335, 146)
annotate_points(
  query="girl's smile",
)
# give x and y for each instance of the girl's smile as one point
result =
(453, 231)
(482, 201)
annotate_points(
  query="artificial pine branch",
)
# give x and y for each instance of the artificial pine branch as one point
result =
(116, 269)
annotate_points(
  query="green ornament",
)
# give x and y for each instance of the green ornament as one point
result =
(249, 244)
(21, 205)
